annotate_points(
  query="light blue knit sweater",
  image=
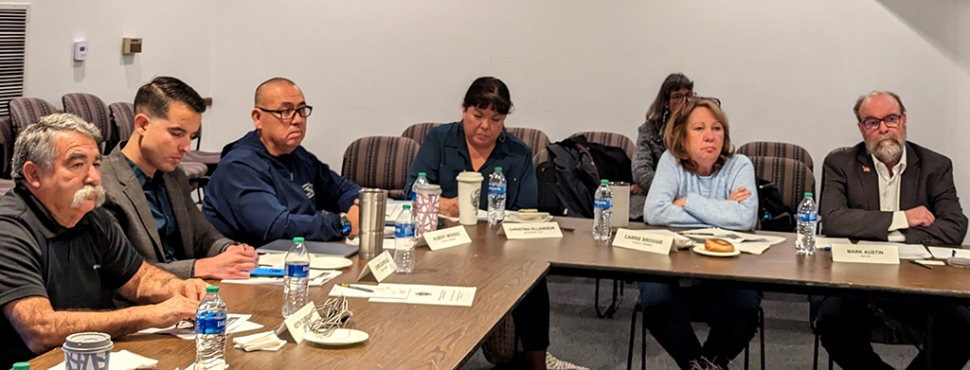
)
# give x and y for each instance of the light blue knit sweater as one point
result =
(707, 204)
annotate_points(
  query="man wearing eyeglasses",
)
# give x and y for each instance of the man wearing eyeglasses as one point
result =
(887, 188)
(268, 187)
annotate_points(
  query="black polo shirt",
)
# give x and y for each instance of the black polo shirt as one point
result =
(76, 268)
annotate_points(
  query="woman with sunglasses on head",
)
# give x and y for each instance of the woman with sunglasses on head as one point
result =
(650, 135)
(700, 182)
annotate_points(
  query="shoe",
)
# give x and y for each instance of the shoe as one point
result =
(553, 363)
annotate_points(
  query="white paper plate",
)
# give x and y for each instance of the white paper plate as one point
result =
(700, 250)
(339, 337)
(539, 217)
(329, 262)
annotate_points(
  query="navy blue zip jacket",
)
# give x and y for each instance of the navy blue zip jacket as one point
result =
(256, 198)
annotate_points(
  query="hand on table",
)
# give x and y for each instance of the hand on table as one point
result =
(234, 263)
(739, 195)
(172, 311)
(191, 289)
(448, 207)
(919, 216)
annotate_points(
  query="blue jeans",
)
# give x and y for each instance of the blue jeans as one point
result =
(731, 313)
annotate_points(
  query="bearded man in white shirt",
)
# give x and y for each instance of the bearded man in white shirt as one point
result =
(889, 189)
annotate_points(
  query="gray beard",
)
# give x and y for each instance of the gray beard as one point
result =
(87, 191)
(886, 151)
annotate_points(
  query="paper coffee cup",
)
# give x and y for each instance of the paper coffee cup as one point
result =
(87, 351)
(469, 195)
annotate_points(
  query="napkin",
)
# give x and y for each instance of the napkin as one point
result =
(265, 341)
(123, 360)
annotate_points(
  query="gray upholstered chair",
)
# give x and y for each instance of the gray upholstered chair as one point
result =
(7, 140)
(122, 121)
(418, 131)
(92, 109)
(609, 139)
(534, 138)
(777, 149)
(380, 162)
(27, 111)
(792, 178)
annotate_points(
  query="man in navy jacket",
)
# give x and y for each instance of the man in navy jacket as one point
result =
(268, 187)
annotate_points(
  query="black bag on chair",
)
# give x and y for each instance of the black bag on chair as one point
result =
(773, 214)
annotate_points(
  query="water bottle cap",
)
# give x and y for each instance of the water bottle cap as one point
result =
(604, 181)
(298, 239)
(21, 366)
(212, 289)
(406, 206)
(498, 169)
(808, 194)
(422, 174)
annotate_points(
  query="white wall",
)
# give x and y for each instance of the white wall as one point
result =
(787, 70)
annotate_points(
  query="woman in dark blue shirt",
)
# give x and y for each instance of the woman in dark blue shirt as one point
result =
(478, 143)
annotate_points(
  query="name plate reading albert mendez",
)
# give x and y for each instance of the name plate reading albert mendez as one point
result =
(534, 230)
(855, 253)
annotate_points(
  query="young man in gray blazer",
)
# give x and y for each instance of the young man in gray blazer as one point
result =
(149, 194)
(883, 189)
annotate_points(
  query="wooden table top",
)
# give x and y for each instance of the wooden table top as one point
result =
(778, 267)
(402, 336)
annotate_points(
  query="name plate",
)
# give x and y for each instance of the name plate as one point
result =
(863, 253)
(646, 242)
(298, 323)
(381, 266)
(446, 238)
(534, 230)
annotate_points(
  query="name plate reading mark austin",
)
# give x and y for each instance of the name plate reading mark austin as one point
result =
(653, 243)
(534, 230)
(381, 266)
(863, 253)
(447, 238)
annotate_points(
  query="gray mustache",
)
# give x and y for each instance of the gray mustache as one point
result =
(82, 194)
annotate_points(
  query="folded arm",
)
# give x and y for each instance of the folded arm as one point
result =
(728, 213)
(950, 225)
(659, 208)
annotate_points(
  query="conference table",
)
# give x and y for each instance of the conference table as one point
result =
(411, 336)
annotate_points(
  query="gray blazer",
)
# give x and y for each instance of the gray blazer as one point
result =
(125, 200)
(850, 197)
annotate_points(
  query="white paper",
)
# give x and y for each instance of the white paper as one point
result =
(664, 232)
(435, 295)
(755, 248)
(748, 237)
(235, 323)
(123, 360)
(906, 251)
(446, 238)
(944, 253)
(390, 291)
(265, 341)
(734, 236)
(278, 260)
(318, 278)
(822, 242)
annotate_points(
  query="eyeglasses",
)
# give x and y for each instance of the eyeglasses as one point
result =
(694, 97)
(678, 97)
(872, 123)
(290, 114)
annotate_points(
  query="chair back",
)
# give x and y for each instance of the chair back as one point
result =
(792, 178)
(418, 131)
(609, 139)
(92, 109)
(7, 139)
(776, 149)
(123, 120)
(380, 162)
(27, 111)
(534, 138)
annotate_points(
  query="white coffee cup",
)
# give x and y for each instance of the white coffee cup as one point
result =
(469, 196)
(621, 204)
(89, 350)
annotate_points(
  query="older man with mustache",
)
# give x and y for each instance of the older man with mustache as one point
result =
(887, 188)
(61, 256)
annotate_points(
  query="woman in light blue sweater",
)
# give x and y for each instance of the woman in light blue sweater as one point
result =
(700, 182)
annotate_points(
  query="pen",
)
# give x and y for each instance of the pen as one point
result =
(356, 287)
(914, 261)
(569, 229)
(954, 253)
(697, 234)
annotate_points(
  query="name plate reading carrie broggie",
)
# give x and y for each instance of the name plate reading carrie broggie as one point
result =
(864, 253)
(446, 238)
(641, 241)
(534, 230)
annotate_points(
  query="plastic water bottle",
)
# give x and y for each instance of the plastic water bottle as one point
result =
(421, 180)
(210, 331)
(296, 282)
(602, 211)
(404, 228)
(807, 223)
(496, 196)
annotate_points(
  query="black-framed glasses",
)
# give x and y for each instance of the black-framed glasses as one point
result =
(288, 114)
(892, 121)
(678, 97)
(716, 101)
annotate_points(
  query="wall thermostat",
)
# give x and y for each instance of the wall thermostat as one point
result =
(131, 45)
(80, 50)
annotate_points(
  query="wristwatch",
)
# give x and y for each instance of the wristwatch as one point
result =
(344, 224)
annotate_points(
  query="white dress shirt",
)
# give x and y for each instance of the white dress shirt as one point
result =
(889, 187)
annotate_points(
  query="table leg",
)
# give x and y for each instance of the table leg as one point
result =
(928, 339)
(614, 301)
